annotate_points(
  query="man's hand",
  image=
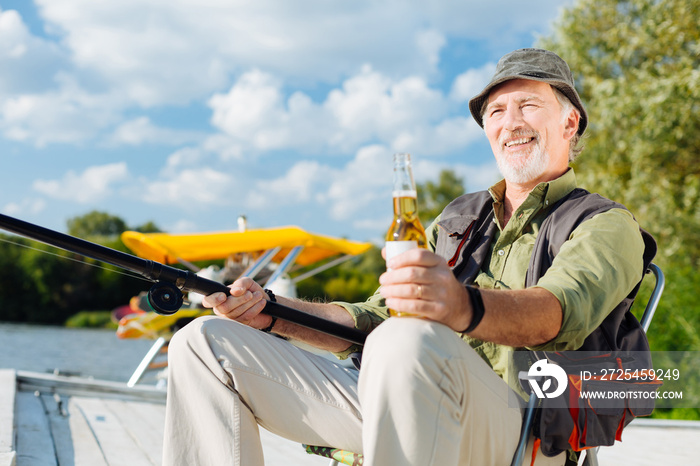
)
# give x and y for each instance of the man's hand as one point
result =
(419, 282)
(244, 305)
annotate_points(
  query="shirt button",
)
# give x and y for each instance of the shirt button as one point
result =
(546, 202)
(501, 252)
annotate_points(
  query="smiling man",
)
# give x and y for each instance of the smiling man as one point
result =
(534, 262)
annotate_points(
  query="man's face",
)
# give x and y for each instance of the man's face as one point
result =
(528, 136)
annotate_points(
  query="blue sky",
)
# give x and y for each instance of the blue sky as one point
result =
(191, 113)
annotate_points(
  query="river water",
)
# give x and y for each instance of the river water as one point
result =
(87, 352)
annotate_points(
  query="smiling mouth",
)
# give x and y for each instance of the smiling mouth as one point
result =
(519, 142)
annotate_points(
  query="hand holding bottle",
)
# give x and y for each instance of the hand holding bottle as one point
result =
(406, 232)
(419, 283)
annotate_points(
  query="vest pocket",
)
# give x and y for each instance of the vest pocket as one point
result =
(458, 231)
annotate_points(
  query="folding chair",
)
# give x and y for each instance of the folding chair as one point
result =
(591, 458)
(339, 457)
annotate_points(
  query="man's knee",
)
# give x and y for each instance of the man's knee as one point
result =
(195, 330)
(400, 343)
(206, 334)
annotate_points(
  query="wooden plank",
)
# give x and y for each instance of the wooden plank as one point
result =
(8, 391)
(118, 448)
(8, 459)
(34, 442)
(80, 386)
(86, 448)
(144, 423)
(57, 415)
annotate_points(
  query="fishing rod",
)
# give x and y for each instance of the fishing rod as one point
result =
(165, 296)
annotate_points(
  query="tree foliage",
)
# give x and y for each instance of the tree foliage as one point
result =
(42, 284)
(433, 197)
(637, 67)
(96, 223)
(352, 281)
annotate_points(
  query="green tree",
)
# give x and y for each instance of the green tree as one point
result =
(148, 227)
(351, 281)
(96, 223)
(42, 284)
(637, 67)
(433, 197)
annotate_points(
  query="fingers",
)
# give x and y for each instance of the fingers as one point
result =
(244, 304)
(415, 291)
(419, 282)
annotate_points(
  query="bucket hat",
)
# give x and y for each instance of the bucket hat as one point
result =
(537, 65)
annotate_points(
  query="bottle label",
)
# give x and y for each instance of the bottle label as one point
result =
(394, 248)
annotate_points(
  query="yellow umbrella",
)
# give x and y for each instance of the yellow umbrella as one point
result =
(168, 248)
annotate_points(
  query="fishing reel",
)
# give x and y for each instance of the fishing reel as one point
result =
(165, 298)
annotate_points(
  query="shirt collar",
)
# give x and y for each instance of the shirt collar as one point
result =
(553, 190)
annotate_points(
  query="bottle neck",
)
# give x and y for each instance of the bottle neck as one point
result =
(404, 186)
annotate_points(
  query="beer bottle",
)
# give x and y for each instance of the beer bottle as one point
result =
(406, 231)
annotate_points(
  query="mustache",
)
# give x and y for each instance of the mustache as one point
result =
(518, 134)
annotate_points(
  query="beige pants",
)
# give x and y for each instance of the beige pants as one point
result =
(423, 398)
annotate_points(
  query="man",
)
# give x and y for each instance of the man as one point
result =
(431, 391)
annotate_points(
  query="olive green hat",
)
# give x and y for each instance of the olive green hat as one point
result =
(537, 65)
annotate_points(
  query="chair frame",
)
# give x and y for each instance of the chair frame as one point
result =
(591, 458)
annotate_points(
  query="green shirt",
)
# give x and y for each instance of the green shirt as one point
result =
(593, 272)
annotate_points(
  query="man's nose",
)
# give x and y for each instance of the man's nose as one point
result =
(513, 118)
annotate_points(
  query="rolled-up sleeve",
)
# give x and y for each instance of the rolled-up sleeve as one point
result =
(367, 316)
(593, 272)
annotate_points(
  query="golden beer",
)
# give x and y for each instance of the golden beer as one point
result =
(406, 231)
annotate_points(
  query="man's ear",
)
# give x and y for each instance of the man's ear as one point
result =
(571, 124)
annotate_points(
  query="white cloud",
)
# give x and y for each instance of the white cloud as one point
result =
(354, 80)
(494, 21)
(142, 131)
(449, 136)
(100, 59)
(93, 184)
(471, 82)
(349, 194)
(32, 205)
(13, 35)
(293, 188)
(367, 108)
(174, 52)
(192, 188)
(362, 184)
(66, 115)
(185, 157)
(371, 105)
(28, 63)
(429, 44)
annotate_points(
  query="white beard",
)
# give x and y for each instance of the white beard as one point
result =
(524, 167)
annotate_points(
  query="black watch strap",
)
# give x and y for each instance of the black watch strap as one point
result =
(272, 298)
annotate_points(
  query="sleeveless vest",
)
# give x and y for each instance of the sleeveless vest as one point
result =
(467, 229)
(466, 232)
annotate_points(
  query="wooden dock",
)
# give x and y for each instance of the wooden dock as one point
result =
(48, 420)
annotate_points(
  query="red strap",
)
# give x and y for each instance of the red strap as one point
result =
(535, 447)
(618, 434)
(454, 258)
